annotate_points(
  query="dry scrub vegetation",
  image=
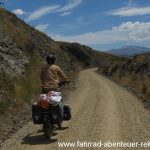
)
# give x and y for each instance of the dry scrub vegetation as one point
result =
(133, 73)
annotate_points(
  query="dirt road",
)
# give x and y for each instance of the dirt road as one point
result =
(102, 111)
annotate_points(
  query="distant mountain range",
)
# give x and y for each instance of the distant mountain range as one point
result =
(129, 50)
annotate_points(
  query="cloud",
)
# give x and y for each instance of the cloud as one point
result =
(19, 12)
(126, 32)
(42, 27)
(41, 12)
(71, 5)
(66, 13)
(65, 10)
(137, 31)
(130, 11)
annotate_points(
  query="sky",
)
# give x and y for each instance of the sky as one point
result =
(100, 24)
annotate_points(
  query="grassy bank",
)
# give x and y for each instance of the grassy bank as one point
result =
(16, 91)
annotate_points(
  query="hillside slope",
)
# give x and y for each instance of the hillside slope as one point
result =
(133, 73)
(31, 41)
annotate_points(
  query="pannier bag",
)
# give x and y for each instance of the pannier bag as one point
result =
(66, 112)
(57, 114)
(50, 98)
(37, 115)
(43, 102)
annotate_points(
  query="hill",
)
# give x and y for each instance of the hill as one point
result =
(132, 73)
(129, 50)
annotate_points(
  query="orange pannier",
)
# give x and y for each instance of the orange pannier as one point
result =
(44, 103)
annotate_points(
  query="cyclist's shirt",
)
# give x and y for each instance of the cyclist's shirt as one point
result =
(50, 76)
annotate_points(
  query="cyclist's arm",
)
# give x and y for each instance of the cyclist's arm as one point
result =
(62, 75)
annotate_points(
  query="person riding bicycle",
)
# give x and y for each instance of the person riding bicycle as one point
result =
(51, 75)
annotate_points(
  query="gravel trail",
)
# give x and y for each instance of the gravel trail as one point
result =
(101, 111)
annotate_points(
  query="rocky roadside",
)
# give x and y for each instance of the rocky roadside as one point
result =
(13, 120)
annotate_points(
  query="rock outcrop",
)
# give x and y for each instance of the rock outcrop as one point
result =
(12, 59)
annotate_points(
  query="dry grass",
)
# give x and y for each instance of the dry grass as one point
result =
(15, 91)
(29, 86)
